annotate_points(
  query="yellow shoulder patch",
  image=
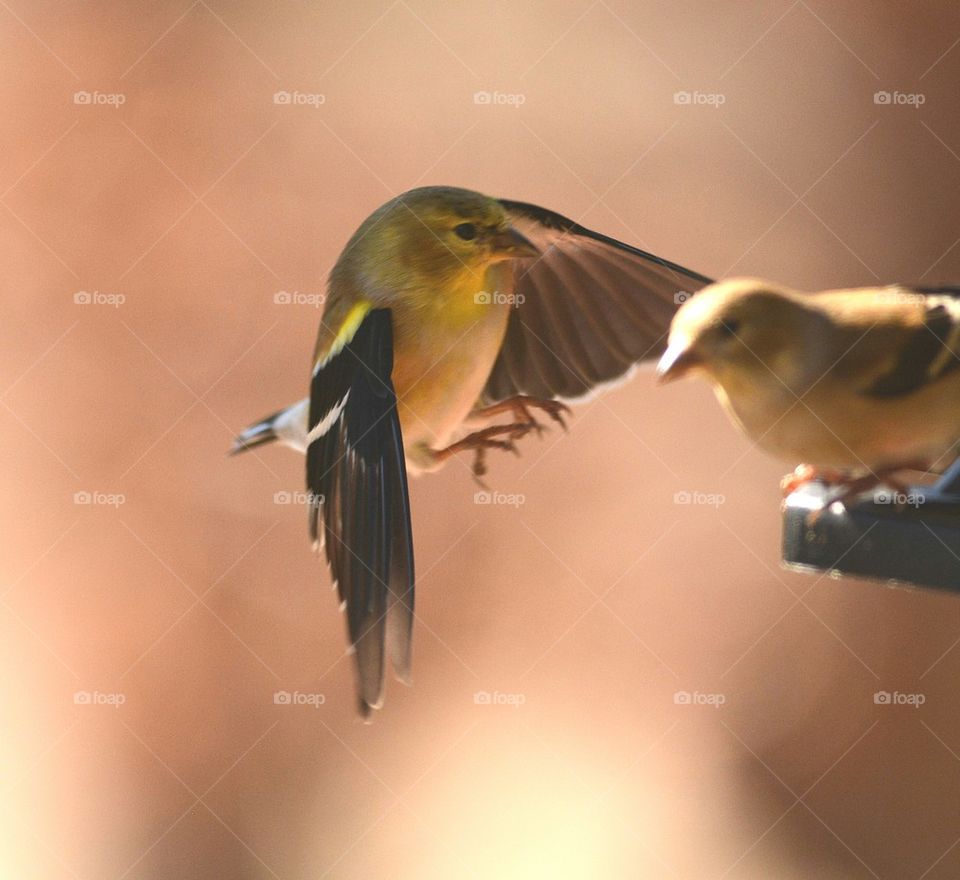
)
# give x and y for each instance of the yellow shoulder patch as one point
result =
(351, 323)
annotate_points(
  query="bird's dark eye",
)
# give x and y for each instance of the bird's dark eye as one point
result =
(466, 231)
(729, 327)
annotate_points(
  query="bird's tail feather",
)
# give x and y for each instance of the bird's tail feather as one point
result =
(263, 431)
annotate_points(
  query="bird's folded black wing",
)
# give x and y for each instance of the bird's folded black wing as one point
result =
(589, 308)
(357, 482)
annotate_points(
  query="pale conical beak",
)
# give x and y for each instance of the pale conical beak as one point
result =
(677, 361)
(514, 244)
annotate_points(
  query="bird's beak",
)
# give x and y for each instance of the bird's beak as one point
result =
(514, 244)
(677, 361)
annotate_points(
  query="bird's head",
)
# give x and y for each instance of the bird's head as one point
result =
(427, 237)
(734, 331)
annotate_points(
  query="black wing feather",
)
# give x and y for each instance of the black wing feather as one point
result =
(357, 479)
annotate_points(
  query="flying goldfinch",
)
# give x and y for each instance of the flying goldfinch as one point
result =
(858, 384)
(447, 308)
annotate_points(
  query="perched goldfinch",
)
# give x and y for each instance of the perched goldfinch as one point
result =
(857, 383)
(448, 307)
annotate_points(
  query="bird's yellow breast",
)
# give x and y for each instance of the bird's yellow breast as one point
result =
(445, 345)
(464, 299)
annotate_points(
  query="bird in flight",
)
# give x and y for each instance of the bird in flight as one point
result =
(858, 384)
(448, 309)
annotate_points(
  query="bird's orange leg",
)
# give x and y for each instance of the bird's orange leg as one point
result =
(504, 436)
(494, 437)
(848, 487)
(851, 486)
(521, 408)
(808, 473)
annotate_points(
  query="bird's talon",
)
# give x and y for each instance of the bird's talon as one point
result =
(505, 437)
(807, 473)
(556, 411)
(479, 466)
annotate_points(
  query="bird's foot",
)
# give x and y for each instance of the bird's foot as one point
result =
(845, 487)
(504, 437)
(495, 437)
(808, 473)
(521, 408)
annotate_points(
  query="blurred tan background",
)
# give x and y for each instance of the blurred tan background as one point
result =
(146, 229)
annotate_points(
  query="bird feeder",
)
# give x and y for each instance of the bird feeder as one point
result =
(907, 539)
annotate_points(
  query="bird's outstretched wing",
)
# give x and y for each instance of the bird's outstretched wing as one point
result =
(357, 479)
(589, 308)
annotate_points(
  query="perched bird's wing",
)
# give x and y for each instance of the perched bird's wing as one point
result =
(357, 476)
(926, 351)
(589, 308)
(943, 290)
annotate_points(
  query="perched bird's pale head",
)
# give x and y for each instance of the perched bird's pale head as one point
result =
(427, 237)
(735, 331)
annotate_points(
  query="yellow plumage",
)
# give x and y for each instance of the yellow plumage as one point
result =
(862, 381)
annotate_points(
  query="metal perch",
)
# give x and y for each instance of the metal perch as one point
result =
(911, 540)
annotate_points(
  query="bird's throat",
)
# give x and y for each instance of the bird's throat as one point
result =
(473, 295)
